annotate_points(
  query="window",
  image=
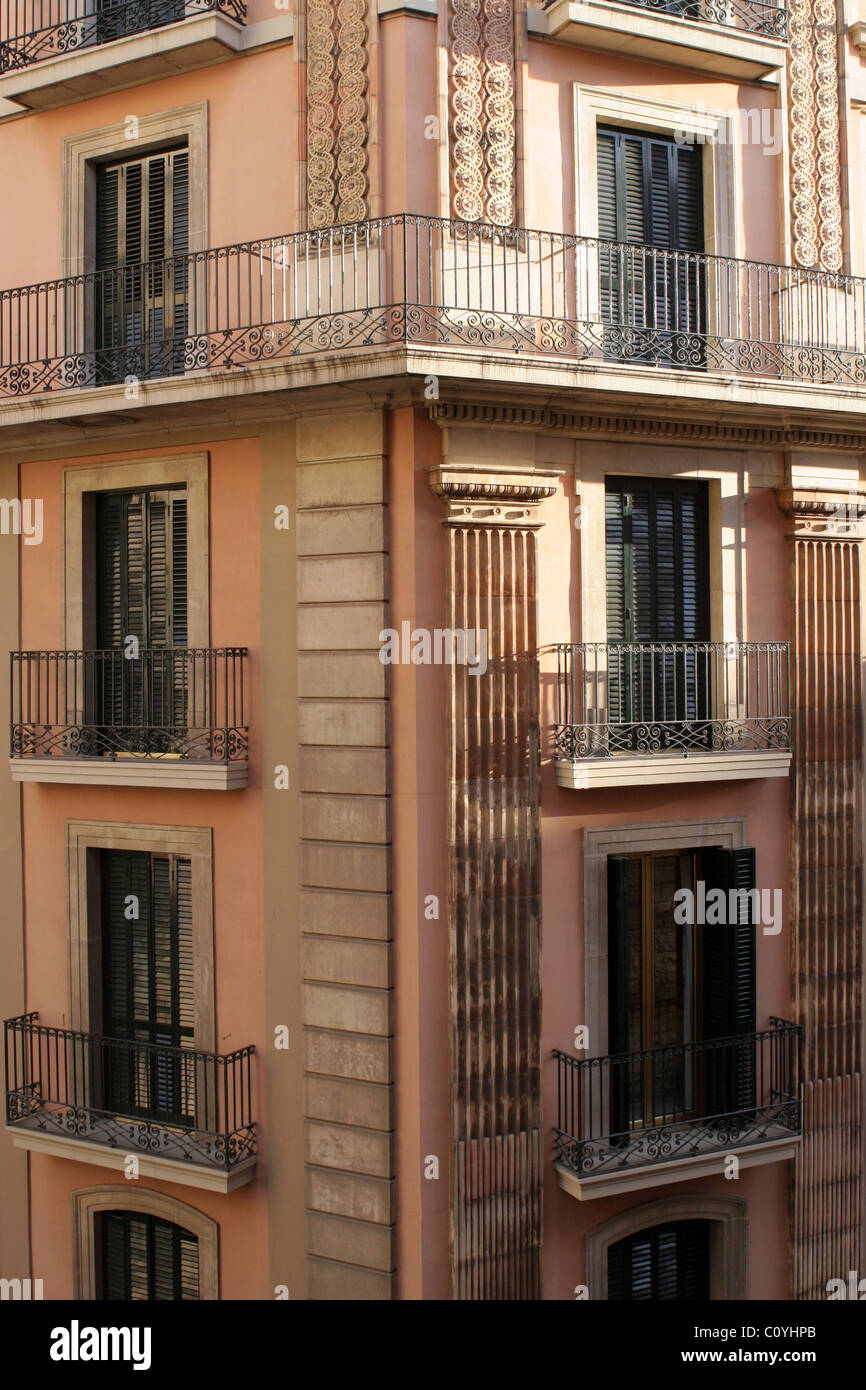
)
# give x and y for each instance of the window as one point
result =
(141, 1257)
(664, 1262)
(658, 591)
(141, 592)
(650, 221)
(148, 985)
(675, 983)
(142, 237)
(141, 587)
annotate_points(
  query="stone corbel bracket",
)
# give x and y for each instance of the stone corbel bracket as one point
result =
(820, 515)
(476, 498)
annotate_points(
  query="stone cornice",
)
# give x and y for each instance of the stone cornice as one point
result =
(614, 426)
(491, 497)
(824, 515)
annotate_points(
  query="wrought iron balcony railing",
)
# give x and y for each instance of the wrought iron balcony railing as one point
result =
(432, 283)
(173, 1102)
(660, 697)
(33, 31)
(176, 702)
(642, 1108)
(754, 16)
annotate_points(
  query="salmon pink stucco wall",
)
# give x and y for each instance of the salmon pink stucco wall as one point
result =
(550, 142)
(235, 820)
(241, 1218)
(565, 816)
(252, 132)
(419, 554)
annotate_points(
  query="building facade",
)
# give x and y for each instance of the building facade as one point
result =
(431, 442)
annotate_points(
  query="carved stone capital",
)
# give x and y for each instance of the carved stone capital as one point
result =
(478, 497)
(821, 515)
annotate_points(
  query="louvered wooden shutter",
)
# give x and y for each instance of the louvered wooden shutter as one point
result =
(142, 568)
(618, 870)
(142, 224)
(657, 564)
(729, 983)
(148, 982)
(650, 194)
(663, 1263)
(144, 1258)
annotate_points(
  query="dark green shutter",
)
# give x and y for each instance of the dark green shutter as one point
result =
(618, 1041)
(142, 568)
(144, 1258)
(656, 548)
(142, 223)
(656, 555)
(663, 1263)
(148, 984)
(650, 194)
(729, 1004)
(141, 590)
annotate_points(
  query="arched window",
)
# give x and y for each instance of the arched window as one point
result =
(688, 1246)
(141, 1257)
(670, 1262)
(142, 1245)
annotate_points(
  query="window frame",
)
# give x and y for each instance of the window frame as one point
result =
(83, 151)
(598, 846)
(729, 1273)
(86, 1202)
(714, 130)
(80, 484)
(84, 840)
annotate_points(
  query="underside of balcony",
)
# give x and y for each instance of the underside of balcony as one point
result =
(57, 56)
(633, 770)
(183, 1116)
(744, 40)
(676, 1113)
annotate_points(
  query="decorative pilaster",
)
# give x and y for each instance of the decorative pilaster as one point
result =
(494, 884)
(813, 78)
(482, 110)
(827, 881)
(337, 48)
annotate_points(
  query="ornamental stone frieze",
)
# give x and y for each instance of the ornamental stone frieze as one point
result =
(337, 46)
(817, 514)
(813, 77)
(481, 109)
(492, 499)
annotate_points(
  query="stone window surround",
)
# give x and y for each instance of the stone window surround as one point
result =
(729, 1229)
(79, 484)
(83, 841)
(727, 500)
(83, 151)
(721, 159)
(628, 839)
(87, 1202)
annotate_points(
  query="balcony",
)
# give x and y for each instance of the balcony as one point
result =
(629, 713)
(164, 717)
(56, 51)
(612, 315)
(741, 39)
(185, 1116)
(672, 1114)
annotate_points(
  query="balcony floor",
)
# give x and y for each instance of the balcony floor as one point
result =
(64, 1133)
(706, 1157)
